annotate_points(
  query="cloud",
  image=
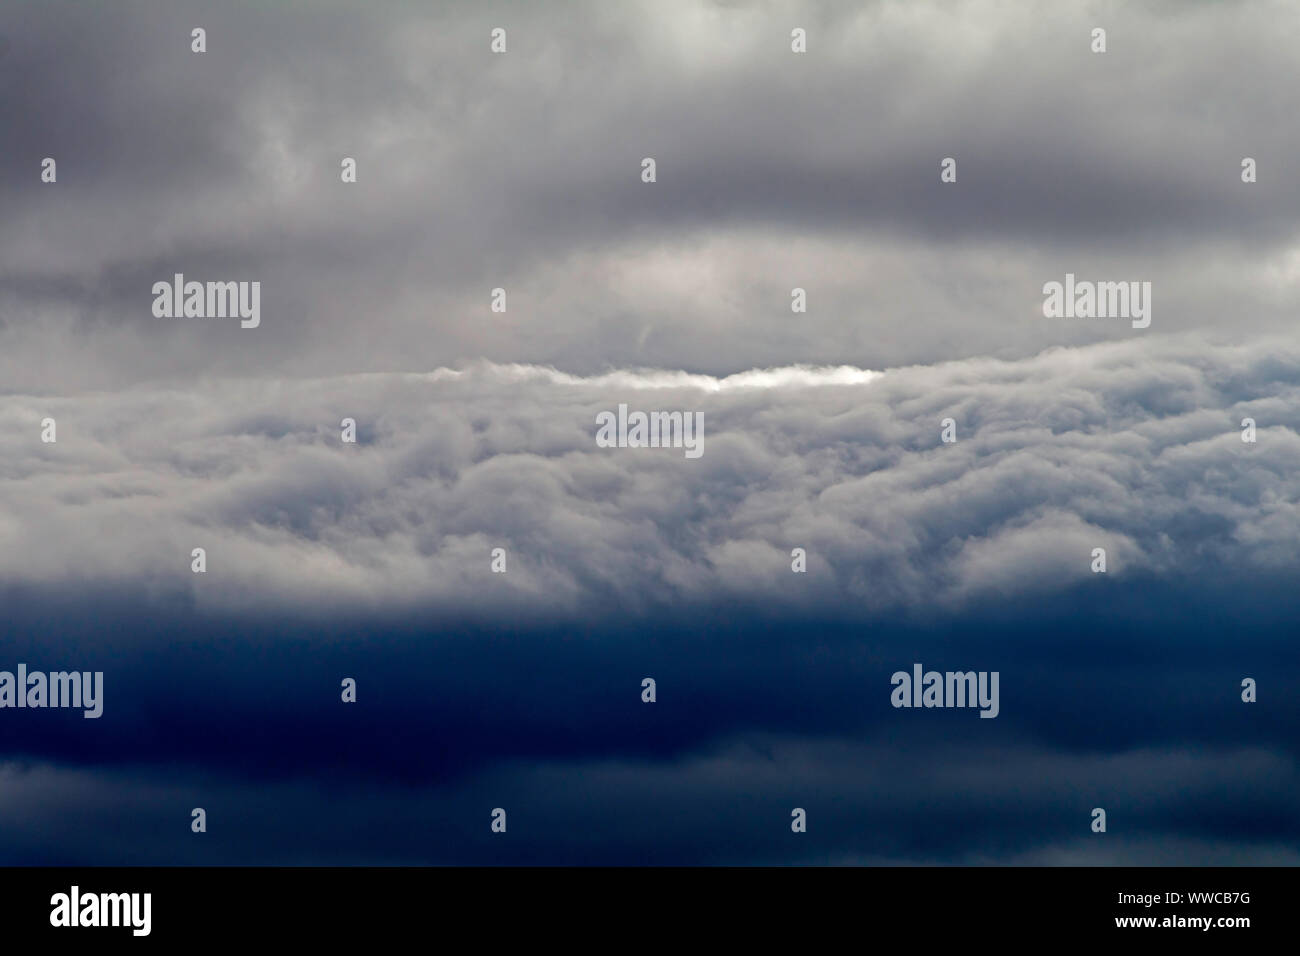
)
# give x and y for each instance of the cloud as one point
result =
(1133, 448)
(865, 804)
(521, 171)
(822, 430)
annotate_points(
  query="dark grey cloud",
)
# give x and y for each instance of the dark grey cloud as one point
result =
(865, 804)
(521, 171)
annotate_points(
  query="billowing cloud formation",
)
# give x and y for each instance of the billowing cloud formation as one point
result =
(1133, 448)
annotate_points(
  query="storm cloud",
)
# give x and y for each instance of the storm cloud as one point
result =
(522, 171)
(822, 431)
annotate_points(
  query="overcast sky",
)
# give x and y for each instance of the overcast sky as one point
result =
(522, 171)
(775, 170)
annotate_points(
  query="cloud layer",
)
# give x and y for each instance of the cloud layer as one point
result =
(1133, 448)
(522, 171)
